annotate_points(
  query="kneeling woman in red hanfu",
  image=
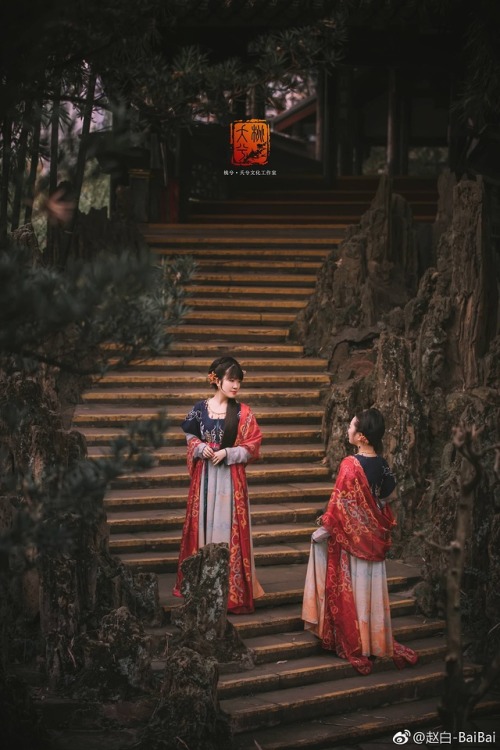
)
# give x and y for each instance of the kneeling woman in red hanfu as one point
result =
(346, 599)
(223, 436)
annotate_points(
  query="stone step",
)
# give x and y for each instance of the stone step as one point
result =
(283, 624)
(301, 250)
(222, 289)
(352, 184)
(209, 252)
(280, 646)
(146, 520)
(166, 562)
(226, 330)
(189, 396)
(355, 196)
(359, 728)
(178, 348)
(400, 184)
(278, 281)
(58, 714)
(175, 497)
(292, 256)
(284, 584)
(289, 204)
(241, 227)
(321, 667)
(170, 539)
(271, 434)
(312, 701)
(175, 476)
(300, 220)
(92, 415)
(235, 348)
(320, 204)
(176, 378)
(222, 317)
(263, 264)
(242, 237)
(270, 454)
(286, 618)
(284, 364)
(252, 304)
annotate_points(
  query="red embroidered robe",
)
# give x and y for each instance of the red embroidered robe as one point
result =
(241, 574)
(359, 527)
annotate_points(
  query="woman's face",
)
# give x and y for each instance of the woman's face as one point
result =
(352, 431)
(230, 386)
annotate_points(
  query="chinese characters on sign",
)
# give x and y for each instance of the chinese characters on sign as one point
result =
(250, 142)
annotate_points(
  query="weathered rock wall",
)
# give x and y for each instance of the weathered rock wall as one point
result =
(356, 319)
(422, 343)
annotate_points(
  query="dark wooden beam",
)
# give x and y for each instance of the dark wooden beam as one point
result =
(344, 117)
(327, 130)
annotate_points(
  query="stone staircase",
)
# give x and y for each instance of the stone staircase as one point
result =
(250, 283)
(304, 200)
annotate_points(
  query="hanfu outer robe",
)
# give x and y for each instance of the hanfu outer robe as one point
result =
(346, 599)
(217, 507)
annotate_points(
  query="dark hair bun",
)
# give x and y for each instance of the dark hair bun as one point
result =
(371, 423)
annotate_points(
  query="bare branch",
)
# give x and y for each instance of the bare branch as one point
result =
(434, 545)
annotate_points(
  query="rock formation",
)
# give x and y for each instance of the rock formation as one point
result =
(187, 713)
(202, 619)
(414, 329)
(207, 643)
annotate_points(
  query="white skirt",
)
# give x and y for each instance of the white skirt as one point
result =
(371, 598)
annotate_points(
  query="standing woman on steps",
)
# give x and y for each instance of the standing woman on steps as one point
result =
(346, 599)
(222, 436)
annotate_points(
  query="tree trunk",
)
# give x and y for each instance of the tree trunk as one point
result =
(4, 187)
(34, 155)
(80, 164)
(51, 251)
(82, 151)
(21, 165)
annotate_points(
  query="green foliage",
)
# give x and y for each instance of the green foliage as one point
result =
(47, 45)
(188, 85)
(66, 495)
(83, 320)
(116, 307)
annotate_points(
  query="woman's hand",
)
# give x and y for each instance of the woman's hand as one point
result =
(393, 497)
(208, 452)
(320, 535)
(218, 456)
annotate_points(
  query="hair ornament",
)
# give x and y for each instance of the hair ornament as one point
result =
(212, 378)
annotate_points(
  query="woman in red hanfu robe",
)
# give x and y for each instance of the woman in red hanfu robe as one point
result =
(346, 599)
(223, 436)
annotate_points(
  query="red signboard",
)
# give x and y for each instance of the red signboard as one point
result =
(250, 142)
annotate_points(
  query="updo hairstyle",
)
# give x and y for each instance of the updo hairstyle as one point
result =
(230, 368)
(371, 424)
